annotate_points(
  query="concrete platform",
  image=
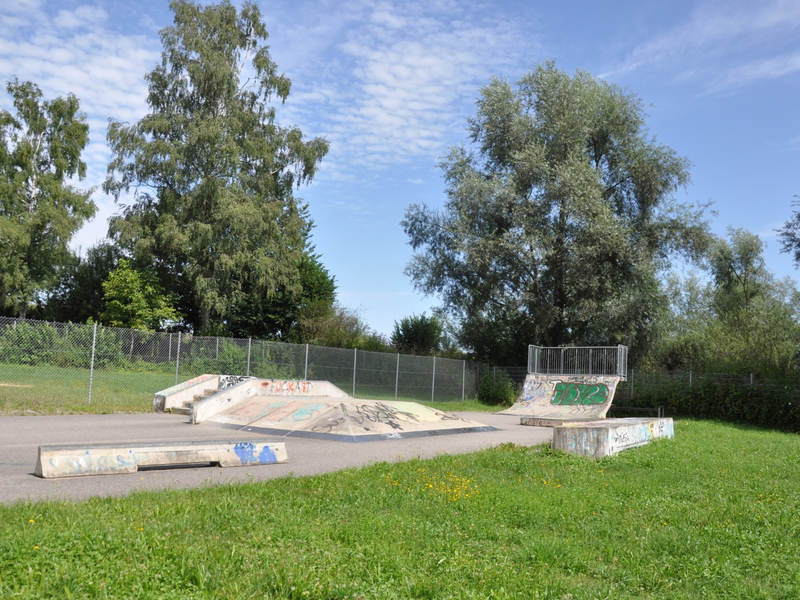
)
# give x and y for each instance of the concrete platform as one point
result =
(607, 437)
(76, 460)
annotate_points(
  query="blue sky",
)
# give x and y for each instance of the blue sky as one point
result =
(391, 85)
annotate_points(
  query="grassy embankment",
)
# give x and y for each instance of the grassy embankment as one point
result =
(710, 514)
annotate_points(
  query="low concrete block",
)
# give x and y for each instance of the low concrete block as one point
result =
(553, 422)
(607, 437)
(75, 460)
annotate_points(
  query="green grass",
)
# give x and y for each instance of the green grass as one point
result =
(710, 514)
(55, 390)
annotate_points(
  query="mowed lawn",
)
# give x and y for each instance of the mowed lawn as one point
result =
(710, 514)
(53, 390)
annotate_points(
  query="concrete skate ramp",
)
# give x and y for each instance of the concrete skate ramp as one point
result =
(548, 400)
(318, 409)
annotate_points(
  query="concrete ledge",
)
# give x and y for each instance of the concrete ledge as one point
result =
(607, 437)
(554, 422)
(75, 460)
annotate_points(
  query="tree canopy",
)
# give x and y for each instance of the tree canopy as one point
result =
(740, 320)
(558, 219)
(134, 299)
(417, 334)
(40, 148)
(212, 172)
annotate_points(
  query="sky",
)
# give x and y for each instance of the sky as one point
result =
(392, 84)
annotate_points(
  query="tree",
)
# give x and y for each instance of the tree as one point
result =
(741, 321)
(79, 295)
(739, 272)
(558, 222)
(417, 334)
(135, 300)
(213, 173)
(40, 148)
(277, 316)
(790, 235)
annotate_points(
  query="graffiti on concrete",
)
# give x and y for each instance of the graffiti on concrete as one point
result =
(78, 465)
(226, 381)
(280, 386)
(305, 412)
(568, 395)
(380, 413)
(571, 393)
(246, 453)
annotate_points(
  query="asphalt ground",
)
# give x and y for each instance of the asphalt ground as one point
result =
(20, 438)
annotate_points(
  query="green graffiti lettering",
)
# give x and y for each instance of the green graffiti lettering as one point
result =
(570, 394)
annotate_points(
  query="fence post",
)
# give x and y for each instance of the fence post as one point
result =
(494, 376)
(355, 359)
(169, 352)
(249, 342)
(216, 355)
(463, 377)
(590, 362)
(305, 370)
(433, 381)
(177, 358)
(632, 381)
(397, 376)
(690, 378)
(91, 364)
(751, 379)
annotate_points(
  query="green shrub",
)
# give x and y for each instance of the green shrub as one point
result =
(496, 389)
(775, 406)
(28, 344)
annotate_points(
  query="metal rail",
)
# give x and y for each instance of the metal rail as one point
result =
(579, 360)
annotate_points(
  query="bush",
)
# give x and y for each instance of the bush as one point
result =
(774, 406)
(496, 389)
(28, 344)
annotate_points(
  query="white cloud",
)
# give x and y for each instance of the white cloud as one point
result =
(716, 45)
(400, 76)
(73, 51)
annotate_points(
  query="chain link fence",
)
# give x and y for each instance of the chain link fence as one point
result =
(649, 383)
(65, 367)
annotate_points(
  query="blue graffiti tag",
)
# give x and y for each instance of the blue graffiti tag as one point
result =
(245, 452)
(267, 456)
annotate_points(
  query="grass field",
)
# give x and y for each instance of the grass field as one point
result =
(710, 514)
(53, 390)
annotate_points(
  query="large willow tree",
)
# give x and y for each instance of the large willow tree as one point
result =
(211, 170)
(558, 219)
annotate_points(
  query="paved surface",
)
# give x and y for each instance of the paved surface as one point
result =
(20, 438)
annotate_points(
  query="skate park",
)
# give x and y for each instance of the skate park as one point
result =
(564, 402)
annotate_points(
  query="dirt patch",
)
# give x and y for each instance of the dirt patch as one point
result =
(15, 385)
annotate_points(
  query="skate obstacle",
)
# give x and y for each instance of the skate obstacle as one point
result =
(606, 437)
(309, 409)
(74, 460)
(550, 400)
